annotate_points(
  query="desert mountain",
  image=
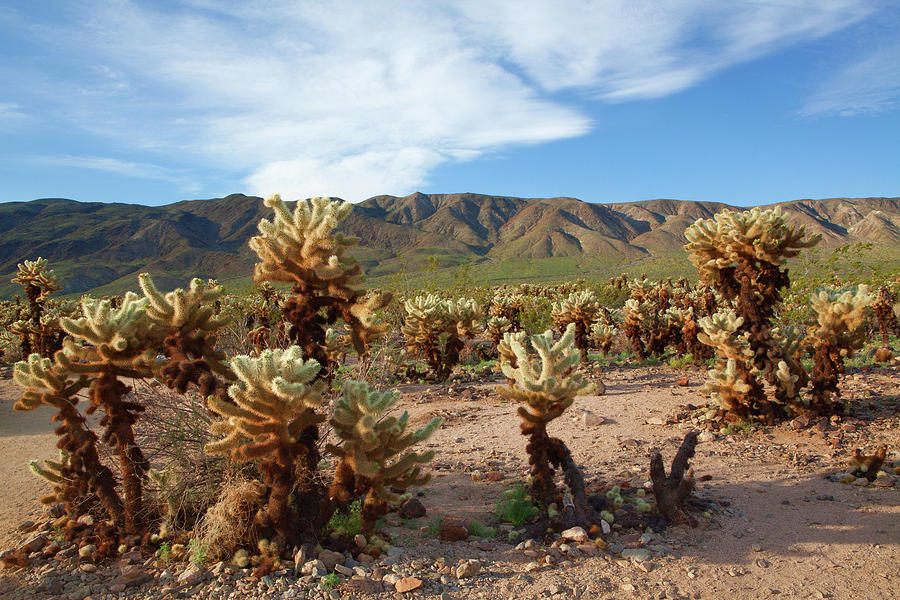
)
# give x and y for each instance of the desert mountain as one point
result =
(105, 245)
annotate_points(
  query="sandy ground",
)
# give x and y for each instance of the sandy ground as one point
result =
(783, 529)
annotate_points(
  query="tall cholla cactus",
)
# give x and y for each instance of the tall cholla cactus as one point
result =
(189, 321)
(37, 333)
(437, 328)
(742, 256)
(545, 387)
(273, 420)
(580, 309)
(496, 327)
(370, 440)
(509, 308)
(840, 330)
(887, 315)
(300, 248)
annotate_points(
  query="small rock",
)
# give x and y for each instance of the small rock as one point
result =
(408, 584)
(360, 541)
(343, 570)
(86, 520)
(86, 550)
(574, 534)
(468, 568)
(88, 567)
(330, 558)
(531, 567)
(26, 526)
(762, 563)
(412, 509)
(453, 529)
(190, 574)
(364, 585)
(627, 587)
(589, 419)
(655, 421)
(636, 554)
(706, 436)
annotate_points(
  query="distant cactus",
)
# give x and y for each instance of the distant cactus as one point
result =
(579, 309)
(742, 256)
(437, 329)
(370, 440)
(509, 308)
(496, 327)
(887, 311)
(839, 331)
(38, 331)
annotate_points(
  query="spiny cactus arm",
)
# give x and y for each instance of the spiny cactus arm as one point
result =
(180, 309)
(726, 386)
(35, 273)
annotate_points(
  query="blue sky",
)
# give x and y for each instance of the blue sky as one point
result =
(745, 101)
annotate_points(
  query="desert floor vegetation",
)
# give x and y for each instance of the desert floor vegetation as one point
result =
(729, 435)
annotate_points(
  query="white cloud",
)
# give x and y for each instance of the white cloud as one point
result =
(112, 165)
(11, 115)
(870, 85)
(353, 98)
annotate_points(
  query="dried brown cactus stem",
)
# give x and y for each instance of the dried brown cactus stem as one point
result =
(108, 392)
(671, 490)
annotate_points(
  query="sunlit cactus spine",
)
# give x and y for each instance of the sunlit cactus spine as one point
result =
(373, 457)
(839, 331)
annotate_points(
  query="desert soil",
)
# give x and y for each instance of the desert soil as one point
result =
(778, 525)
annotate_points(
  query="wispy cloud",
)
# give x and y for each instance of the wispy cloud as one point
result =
(357, 98)
(869, 85)
(113, 165)
(11, 115)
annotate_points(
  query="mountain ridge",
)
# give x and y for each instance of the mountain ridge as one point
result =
(98, 244)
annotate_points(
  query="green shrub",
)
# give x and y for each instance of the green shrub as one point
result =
(516, 506)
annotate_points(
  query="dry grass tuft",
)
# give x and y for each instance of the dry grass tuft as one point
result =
(230, 523)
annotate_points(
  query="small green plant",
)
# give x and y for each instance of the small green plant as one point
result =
(199, 552)
(57, 534)
(433, 529)
(740, 426)
(346, 523)
(164, 552)
(680, 362)
(476, 529)
(516, 506)
(331, 581)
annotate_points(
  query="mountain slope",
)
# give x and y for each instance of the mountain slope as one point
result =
(93, 244)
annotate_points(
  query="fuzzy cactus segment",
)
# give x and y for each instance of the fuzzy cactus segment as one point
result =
(436, 328)
(372, 454)
(579, 309)
(839, 331)
(543, 384)
(274, 400)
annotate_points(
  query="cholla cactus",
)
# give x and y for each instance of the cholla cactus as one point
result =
(638, 320)
(300, 248)
(509, 308)
(54, 472)
(38, 281)
(189, 322)
(496, 327)
(336, 346)
(37, 332)
(545, 387)
(436, 328)
(580, 309)
(82, 474)
(273, 419)
(838, 332)
(370, 440)
(886, 311)
(742, 256)
(602, 336)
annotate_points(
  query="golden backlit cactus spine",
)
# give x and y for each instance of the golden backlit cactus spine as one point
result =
(438, 328)
(272, 418)
(301, 248)
(839, 331)
(579, 309)
(743, 256)
(545, 386)
(372, 458)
